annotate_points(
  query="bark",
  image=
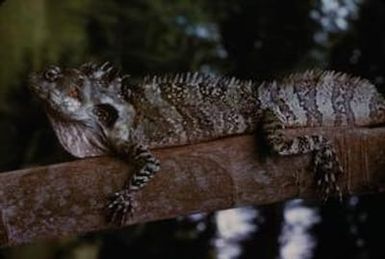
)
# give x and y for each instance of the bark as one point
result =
(67, 199)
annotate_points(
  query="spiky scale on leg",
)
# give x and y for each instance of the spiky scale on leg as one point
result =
(325, 163)
(327, 168)
(122, 204)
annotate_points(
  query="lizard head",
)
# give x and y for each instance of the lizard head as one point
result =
(63, 92)
(84, 102)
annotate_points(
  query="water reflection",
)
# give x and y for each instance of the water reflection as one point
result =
(296, 241)
(356, 219)
(333, 17)
(233, 227)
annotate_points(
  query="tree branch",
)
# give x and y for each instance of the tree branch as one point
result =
(69, 198)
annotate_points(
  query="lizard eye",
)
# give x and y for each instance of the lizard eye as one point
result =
(52, 73)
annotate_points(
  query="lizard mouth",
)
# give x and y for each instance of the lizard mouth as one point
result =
(48, 96)
(36, 86)
(42, 89)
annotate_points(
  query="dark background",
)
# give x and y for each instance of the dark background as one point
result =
(253, 39)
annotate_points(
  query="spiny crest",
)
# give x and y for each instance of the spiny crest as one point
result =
(193, 79)
(317, 75)
(106, 76)
(104, 72)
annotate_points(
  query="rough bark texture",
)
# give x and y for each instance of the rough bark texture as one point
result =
(67, 199)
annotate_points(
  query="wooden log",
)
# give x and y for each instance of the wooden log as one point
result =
(68, 199)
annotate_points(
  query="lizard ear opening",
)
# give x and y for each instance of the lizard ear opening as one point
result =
(106, 114)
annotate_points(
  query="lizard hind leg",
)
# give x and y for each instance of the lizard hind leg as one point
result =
(327, 169)
(122, 204)
(326, 166)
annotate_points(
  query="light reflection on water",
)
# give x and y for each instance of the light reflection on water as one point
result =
(233, 227)
(296, 241)
(356, 219)
(334, 18)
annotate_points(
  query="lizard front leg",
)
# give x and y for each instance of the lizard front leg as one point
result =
(122, 203)
(325, 161)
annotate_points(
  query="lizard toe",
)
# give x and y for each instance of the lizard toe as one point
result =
(120, 207)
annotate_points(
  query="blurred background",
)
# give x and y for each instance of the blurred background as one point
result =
(253, 39)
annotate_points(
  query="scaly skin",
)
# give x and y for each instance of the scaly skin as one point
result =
(94, 111)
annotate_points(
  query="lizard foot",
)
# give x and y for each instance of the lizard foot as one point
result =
(121, 207)
(327, 171)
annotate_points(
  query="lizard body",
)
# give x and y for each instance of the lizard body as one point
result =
(95, 111)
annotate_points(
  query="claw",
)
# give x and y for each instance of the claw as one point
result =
(120, 207)
(327, 183)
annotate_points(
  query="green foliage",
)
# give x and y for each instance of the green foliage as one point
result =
(153, 36)
(37, 32)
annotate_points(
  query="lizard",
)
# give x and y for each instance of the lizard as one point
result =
(96, 110)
